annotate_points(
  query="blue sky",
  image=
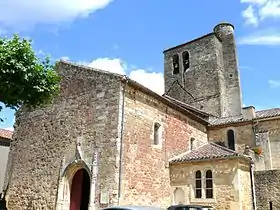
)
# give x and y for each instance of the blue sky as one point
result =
(128, 36)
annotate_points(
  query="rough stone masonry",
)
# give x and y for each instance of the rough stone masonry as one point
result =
(122, 135)
(86, 113)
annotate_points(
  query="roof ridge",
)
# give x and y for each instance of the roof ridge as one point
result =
(178, 156)
(261, 110)
(188, 105)
(224, 148)
(208, 151)
(91, 68)
(240, 115)
(187, 152)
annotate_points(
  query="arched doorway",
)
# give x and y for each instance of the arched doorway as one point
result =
(179, 196)
(80, 190)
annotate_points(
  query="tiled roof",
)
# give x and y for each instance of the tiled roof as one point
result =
(275, 112)
(6, 134)
(206, 152)
(268, 113)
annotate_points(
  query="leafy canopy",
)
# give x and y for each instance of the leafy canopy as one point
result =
(25, 79)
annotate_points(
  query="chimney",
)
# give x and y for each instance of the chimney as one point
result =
(248, 112)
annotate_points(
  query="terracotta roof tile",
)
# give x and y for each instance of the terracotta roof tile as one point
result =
(268, 113)
(6, 134)
(275, 112)
(206, 152)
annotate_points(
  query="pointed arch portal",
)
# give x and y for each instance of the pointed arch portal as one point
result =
(80, 190)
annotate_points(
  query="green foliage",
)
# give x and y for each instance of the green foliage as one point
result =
(24, 78)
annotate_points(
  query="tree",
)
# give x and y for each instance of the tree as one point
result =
(25, 79)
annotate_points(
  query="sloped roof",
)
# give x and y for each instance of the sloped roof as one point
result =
(6, 134)
(206, 152)
(187, 106)
(261, 114)
(274, 112)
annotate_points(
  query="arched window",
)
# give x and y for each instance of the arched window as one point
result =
(175, 62)
(192, 143)
(198, 184)
(230, 139)
(156, 133)
(186, 60)
(209, 184)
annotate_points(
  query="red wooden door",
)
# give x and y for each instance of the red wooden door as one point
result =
(76, 190)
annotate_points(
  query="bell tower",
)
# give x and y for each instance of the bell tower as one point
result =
(203, 72)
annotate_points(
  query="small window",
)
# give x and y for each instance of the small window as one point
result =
(209, 184)
(192, 143)
(175, 61)
(198, 184)
(186, 60)
(156, 133)
(230, 139)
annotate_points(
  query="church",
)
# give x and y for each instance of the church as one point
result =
(107, 140)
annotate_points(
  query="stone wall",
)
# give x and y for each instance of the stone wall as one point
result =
(211, 83)
(44, 143)
(231, 181)
(245, 187)
(267, 188)
(273, 128)
(233, 98)
(243, 135)
(205, 65)
(145, 165)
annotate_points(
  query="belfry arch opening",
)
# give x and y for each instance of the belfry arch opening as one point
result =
(80, 190)
(186, 60)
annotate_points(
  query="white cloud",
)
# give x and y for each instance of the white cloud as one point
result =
(258, 2)
(249, 68)
(66, 58)
(115, 65)
(270, 10)
(271, 39)
(274, 83)
(250, 16)
(152, 80)
(30, 12)
(259, 10)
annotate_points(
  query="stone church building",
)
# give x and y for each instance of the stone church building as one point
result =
(107, 140)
